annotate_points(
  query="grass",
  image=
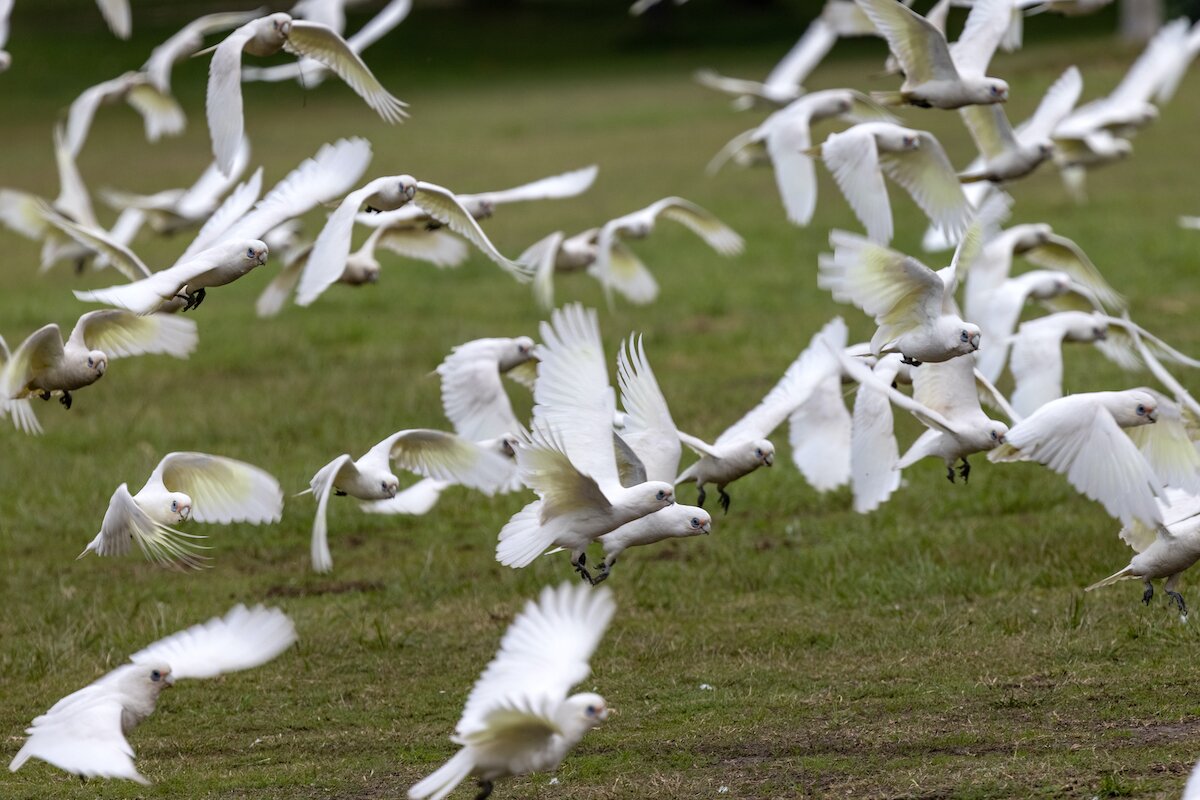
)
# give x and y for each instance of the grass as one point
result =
(941, 647)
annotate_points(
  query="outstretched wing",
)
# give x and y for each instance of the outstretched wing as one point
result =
(119, 334)
(446, 457)
(223, 490)
(715, 233)
(443, 206)
(567, 184)
(322, 43)
(126, 523)
(649, 429)
(473, 395)
(242, 639)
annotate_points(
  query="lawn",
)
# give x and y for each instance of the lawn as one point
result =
(940, 647)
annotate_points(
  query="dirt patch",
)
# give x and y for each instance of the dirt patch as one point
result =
(333, 587)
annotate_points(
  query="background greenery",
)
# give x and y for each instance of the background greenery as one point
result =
(941, 647)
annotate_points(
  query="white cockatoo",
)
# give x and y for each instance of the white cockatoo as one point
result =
(785, 138)
(186, 42)
(1165, 551)
(938, 75)
(1081, 436)
(473, 396)
(84, 733)
(571, 458)
(518, 718)
(160, 112)
(185, 486)
(1006, 154)
(45, 365)
(327, 262)
(267, 36)
(785, 83)
(617, 267)
(430, 453)
(744, 446)
(860, 156)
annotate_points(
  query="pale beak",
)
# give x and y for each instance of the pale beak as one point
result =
(1152, 415)
(706, 529)
(769, 459)
(185, 512)
(975, 342)
(168, 681)
(103, 365)
(1002, 439)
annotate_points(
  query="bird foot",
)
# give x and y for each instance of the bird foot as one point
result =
(194, 299)
(66, 400)
(965, 470)
(1178, 598)
(485, 790)
(45, 395)
(603, 574)
(724, 500)
(582, 570)
(1148, 595)
(912, 362)
(700, 495)
(950, 473)
(80, 265)
(339, 493)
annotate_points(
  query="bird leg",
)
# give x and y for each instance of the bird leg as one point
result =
(339, 493)
(950, 472)
(66, 400)
(45, 395)
(194, 299)
(912, 362)
(80, 265)
(700, 495)
(605, 570)
(1171, 584)
(965, 469)
(578, 564)
(485, 790)
(724, 498)
(1148, 595)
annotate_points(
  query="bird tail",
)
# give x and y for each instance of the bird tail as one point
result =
(888, 98)
(524, 538)
(1124, 574)
(22, 415)
(445, 778)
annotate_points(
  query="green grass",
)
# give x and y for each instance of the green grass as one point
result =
(941, 647)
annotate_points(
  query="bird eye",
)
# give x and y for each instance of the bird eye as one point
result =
(174, 505)
(591, 711)
(91, 362)
(758, 453)
(963, 336)
(993, 435)
(156, 676)
(250, 252)
(661, 495)
(695, 522)
(1141, 410)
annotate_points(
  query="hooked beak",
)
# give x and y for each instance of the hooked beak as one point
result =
(185, 512)
(262, 258)
(168, 681)
(769, 459)
(1002, 439)
(101, 367)
(1152, 415)
(975, 342)
(606, 713)
(707, 529)
(1100, 334)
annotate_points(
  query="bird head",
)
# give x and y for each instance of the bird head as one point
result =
(1131, 408)
(696, 521)
(482, 209)
(280, 24)
(407, 186)
(256, 252)
(515, 353)
(97, 362)
(180, 506)
(968, 339)
(584, 711)
(998, 433)
(654, 495)
(764, 452)
(507, 445)
(997, 90)
(1045, 149)
(389, 485)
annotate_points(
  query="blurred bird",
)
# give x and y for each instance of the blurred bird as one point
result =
(84, 733)
(937, 75)
(858, 159)
(44, 365)
(518, 718)
(744, 446)
(186, 42)
(185, 486)
(161, 114)
(267, 36)
(433, 454)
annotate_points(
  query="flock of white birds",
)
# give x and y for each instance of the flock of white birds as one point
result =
(601, 470)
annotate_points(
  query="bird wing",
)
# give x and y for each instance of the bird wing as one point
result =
(716, 234)
(990, 128)
(788, 139)
(865, 377)
(117, 16)
(568, 184)
(573, 400)
(322, 487)
(948, 387)
(874, 452)
(541, 257)
(380, 25)
(327, 260)
(546, 468)
(146, 295)
(446, 457)
(1168, 447)
(276, 293)
(322, 43)
(1061, 253)
(985, 28)
(810, 367)
(126, 523)
(544, 652)
(901, 293)
(82, 734)
(161, 113)
(121, 257)
(1056, 104)
(119, 334)
(1077, 437)
(223, 490)
(927, 175)
(438, 247)
(221, 223)
(224, 98)
(242, 639)
(443, 206)
(83, 110)
(186, 41)
(649, 429)
(41, 349)
(1036, 364)
(1153, 66)
(916, 42)
(819, 432)
(73, 199)
(205, 194)
(473, 395)
(813, 45)
(416, 499)
(623, 271)
(853, 158)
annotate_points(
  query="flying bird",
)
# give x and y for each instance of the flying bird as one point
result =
(938, 75)
(518, 718)
(185, 486)
(160, 113)
(430, 453)
(267, 36)
(859, 157)
(84, 733)
(44, 365)
(473, 396)
(186, 42)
